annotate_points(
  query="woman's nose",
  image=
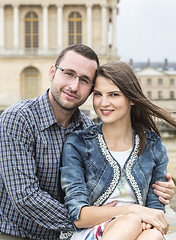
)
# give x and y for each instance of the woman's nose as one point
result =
(105, 101)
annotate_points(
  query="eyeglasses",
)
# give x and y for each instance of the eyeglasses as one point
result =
(70, 74)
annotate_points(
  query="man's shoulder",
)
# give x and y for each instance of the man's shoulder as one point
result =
(23, 107)
(86, 120)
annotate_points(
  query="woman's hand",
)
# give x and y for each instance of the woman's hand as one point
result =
(154, 217)
(165, 190)
(146, 226)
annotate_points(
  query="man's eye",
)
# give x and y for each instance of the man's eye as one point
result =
(69, 74)
(84, 80)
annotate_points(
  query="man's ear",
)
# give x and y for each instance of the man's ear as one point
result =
(51, 72)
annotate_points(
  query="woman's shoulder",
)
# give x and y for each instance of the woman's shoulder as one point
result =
(89, 132)
(152, 136)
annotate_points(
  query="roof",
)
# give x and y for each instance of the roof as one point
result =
(161, 66)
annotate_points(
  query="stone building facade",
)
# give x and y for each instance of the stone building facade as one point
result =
(158, 81)
(32, 33)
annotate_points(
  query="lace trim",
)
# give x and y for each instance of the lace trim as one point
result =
(116, 170)
(128, 171)
(66, 235)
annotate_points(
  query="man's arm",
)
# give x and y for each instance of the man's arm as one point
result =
(165, 190)
(18, 168)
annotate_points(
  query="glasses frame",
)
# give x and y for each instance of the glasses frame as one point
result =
(76, 76)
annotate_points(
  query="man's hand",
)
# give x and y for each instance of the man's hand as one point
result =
(165, 190)
(111, 204)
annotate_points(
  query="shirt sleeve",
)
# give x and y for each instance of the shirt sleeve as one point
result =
(18, 170)
(158, 174)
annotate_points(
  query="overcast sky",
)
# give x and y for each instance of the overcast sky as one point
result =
(147, 29)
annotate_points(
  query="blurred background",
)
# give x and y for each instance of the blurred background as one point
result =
(141, 33)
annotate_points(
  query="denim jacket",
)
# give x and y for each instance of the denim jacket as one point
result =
(89, 173)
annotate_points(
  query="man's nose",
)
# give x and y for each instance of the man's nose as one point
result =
(74, 83)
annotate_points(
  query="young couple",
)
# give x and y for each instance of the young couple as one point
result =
(33, 132)
(117, 161)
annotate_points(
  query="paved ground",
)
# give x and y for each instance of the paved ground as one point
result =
(172, 219)
(171, 212)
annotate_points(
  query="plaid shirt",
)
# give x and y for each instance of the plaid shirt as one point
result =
(30, 153)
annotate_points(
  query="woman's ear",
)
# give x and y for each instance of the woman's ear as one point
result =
(51, 72)
(131, 103)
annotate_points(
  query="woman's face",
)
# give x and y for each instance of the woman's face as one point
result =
(109, 102)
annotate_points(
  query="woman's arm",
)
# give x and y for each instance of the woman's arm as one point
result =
(91, 216)
(158, 173)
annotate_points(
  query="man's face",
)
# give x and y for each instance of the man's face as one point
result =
(71, 81)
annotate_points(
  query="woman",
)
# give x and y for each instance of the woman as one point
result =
(117, 160)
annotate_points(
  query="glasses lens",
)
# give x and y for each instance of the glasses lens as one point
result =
(69, 74)
(83, 81)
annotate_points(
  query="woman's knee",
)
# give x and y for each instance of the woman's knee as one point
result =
(131, 223)
(133, 218)
(155, 234)
(130, 220)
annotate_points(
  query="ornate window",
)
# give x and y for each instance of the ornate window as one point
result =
(172, 95)
(149, 94)
(30, 80)
(160, 95)
(31, 30)
(172, 82)
(75, 28)
(160, 81)
(149, 82)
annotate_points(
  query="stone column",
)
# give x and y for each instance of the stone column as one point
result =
(15, 26)
(114, 27)
(2, 33)
(60, 26)
(89, 24)
(104, 29)
(45, 27)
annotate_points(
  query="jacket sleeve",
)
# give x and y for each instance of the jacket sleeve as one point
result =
(18, 170)
(73, 175)
(158, 174)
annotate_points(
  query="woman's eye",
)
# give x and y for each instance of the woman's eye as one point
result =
(96, 94)
(114, 95)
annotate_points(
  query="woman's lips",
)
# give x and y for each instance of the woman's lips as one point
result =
(106, 111)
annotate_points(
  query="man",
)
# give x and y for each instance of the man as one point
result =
(32, 136)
